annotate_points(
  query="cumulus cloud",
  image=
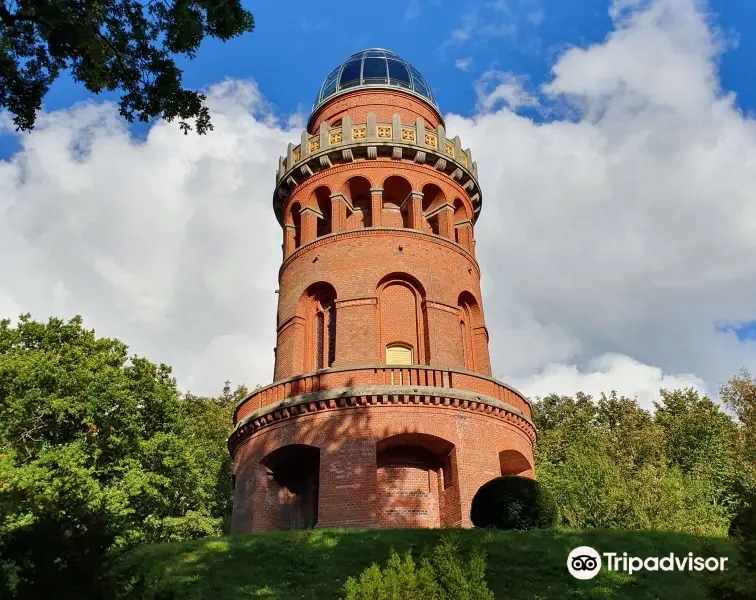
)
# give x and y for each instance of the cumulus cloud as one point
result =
(627, 226)
(607, 373)
(615, 237)
(496, 88)
(168, 243)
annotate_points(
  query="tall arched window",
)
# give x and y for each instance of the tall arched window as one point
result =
(403, 320)
(325, 331)
(469, 319)
(318, 309)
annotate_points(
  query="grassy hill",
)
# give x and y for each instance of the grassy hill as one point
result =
(314, 564)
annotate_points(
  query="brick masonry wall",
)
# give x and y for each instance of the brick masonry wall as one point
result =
(367, 317)
(383, 103)
(351, 491)
(408, 497)
(393, 456)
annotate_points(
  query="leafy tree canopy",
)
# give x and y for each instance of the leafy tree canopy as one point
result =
(127, 45)
(98, 452)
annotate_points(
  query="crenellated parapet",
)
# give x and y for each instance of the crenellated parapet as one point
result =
(376, 140)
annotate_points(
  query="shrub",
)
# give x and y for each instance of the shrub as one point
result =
(743, 525)
(513, 502)
(743, 530)
(442, 575)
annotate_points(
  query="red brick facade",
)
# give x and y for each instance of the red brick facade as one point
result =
(378, 265)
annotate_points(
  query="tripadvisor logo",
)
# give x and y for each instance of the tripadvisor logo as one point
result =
(584, 562)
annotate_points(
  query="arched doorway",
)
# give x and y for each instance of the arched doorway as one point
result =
(416, 482)
(293, 484)
(513, 462)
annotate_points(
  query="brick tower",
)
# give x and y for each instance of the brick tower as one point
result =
(383, 411)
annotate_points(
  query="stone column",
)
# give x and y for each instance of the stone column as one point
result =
(376, 207)
(290, 233)
(464, 234)
(415, 210)
(338, 213)
(309, 224)
(446, 222)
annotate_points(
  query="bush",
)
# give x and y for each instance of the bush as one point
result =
(743, 525)
(743, 530)
(442, 575)
(513, 502)
(739, 581)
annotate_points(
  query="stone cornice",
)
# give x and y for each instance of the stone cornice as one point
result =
(379, 395)
(342, 144)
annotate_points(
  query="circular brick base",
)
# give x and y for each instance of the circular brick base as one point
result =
(375, 465)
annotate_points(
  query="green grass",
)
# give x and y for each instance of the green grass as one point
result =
(314, 564)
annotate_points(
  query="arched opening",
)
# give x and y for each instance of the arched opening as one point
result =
(336, 123)
(399, 354)
(433, 199)
(295, 219)
(396, 206)
(293, 484)
(321, 198)
(469, 320)
(403, 320)
(358, 194)
(513, 462)
(318, 307)
(462, 225)
(417, 481)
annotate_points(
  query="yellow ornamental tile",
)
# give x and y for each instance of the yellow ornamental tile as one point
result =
(359, 132)
(408, 135)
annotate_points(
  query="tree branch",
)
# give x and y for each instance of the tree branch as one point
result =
(6, 17)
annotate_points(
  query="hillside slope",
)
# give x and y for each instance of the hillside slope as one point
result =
(314, 564)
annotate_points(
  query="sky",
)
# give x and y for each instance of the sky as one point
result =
(616, 149)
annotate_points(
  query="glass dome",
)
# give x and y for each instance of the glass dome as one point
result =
(374, 67)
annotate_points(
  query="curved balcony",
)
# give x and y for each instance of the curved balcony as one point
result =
(412, 376)
(348, 141)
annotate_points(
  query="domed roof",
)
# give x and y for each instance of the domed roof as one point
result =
(370, 68)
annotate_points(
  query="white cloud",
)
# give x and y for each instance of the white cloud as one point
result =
(169, 244)
(629, 227)
(464, 64)
(494, 88)
(604, 374)
(613, 240)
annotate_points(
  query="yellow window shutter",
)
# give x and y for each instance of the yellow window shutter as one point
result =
(397, 354)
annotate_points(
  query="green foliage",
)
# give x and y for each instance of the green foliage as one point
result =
(611, 464)
(443, 575)
(513, 502)
(400, 579)
(739, 395)
(126, 45)
(739, 581)
(98, 452)
(313, 564)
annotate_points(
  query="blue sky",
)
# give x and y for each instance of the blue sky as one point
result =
(618, 238)
(293, 48)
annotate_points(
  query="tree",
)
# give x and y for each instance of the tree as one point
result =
(739, 395)
(126, 45)
(98, 452)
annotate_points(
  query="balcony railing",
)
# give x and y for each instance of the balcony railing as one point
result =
(380, 376)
